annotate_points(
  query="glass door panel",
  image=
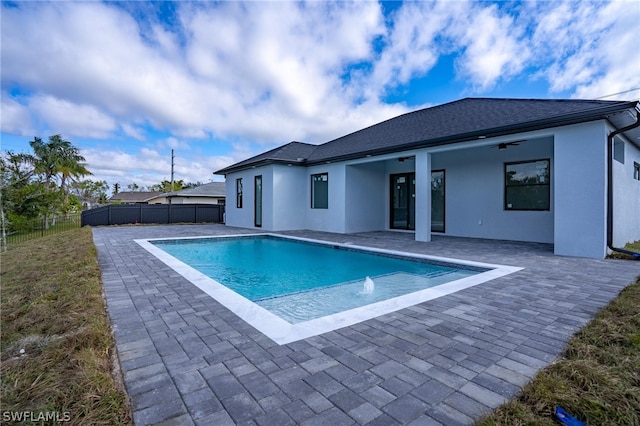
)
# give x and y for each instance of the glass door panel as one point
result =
(403, 201)
(437, 201)
(258, 201)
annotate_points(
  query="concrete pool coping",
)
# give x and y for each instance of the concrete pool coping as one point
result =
(188, 360)
(281, 331)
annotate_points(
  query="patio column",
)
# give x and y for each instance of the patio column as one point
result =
(423, 196)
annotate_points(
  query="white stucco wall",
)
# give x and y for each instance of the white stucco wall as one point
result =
(244, 217)
(331, 219)
(289, 188)
(366, 197)
(626, 197)
(474, 193)
(359, 198)
(580, 190)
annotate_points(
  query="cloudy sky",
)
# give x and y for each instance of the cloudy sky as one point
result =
(218, 82)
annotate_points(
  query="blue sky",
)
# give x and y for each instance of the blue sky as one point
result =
(218, 82)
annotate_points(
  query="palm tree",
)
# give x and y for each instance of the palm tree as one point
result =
(58, 157)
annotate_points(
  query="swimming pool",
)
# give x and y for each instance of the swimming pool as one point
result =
(292, 288)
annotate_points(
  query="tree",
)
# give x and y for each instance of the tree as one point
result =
(23, 194)
(58, 161)
(90, 192)
(38, 183)
(165, 186)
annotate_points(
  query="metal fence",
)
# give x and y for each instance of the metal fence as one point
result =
(121, 214)
(41, 227)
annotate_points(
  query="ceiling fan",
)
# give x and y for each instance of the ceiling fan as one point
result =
(504, 145)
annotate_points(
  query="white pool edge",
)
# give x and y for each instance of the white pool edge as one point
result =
(283, 332)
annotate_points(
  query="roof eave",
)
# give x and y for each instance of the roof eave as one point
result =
(565, 120)
(263, 162)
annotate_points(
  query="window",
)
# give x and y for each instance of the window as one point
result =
(527, 185)
(257, 201)
(239, 193)
(636, 171)
(320, 191)
(618, 150)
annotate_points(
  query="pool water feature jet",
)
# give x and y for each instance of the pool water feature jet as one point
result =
(369, 286)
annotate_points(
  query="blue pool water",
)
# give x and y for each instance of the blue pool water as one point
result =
(299, 281)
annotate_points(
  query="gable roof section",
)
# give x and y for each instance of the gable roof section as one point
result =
(133, 196)
(462, 120)
(211, 189)
(293, 152)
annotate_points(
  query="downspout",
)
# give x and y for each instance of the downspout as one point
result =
(610, 187)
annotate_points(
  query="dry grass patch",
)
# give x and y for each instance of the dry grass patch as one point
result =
(53, 310)
(597, 379)
(634, 246)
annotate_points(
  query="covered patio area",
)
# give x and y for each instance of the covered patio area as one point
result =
(186, 359)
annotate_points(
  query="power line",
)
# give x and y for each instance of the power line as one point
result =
(619, 93)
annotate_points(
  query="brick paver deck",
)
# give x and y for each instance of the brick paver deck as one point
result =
(187, 360)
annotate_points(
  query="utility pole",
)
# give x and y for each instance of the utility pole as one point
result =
(172, 158)
(172, 163)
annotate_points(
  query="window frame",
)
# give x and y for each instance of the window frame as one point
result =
(636, 171)
(314, 203)
(531, 185)
(257, 201)
(239, 190)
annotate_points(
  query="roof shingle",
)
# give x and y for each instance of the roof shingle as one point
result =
(456, 121)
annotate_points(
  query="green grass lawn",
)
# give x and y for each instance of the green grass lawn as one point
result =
(56, 344)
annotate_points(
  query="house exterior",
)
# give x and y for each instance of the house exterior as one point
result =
(133, 197)
(208, 193)
(565, 172)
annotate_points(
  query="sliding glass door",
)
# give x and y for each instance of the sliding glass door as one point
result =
(403, 201)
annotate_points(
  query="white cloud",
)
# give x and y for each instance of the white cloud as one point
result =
(132, 131)
(489, 44)
(147, 166)
(411, 48)
(262, 71)
(259, 74)
(588, 48)
(65, 117)
(494, 48)
(15, 117)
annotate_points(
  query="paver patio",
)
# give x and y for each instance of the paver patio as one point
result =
(186, 359)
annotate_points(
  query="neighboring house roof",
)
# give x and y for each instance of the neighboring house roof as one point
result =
(465, 119)
(133, 196)
(211, 189)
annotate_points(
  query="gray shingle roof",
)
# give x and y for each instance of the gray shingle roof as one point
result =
(457, 121)
(133, 196)
(293, 152)
(211, 189)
